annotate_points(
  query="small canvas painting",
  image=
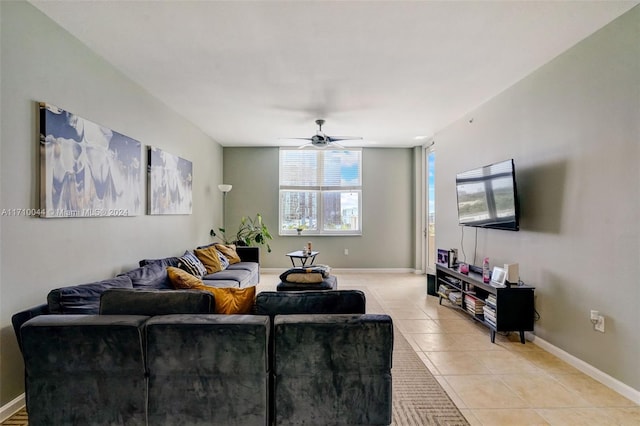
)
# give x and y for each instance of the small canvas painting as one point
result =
(169, 183)
(86, 170)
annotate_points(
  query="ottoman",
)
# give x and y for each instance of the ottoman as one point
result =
(329, 283)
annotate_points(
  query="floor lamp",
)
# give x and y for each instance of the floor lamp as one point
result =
(224, 188)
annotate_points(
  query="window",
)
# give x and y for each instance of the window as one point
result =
(321, 191)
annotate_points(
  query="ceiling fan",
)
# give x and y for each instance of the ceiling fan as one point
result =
(320, 140)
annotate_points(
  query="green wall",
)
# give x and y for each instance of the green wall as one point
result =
(573, 128)
(42, 62)
(388, 236)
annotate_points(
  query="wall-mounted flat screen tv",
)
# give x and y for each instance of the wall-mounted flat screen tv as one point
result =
(487, 197)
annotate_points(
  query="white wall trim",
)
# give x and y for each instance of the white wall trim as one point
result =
(12, 407)
(588, 369)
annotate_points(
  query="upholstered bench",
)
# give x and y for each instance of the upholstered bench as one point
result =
(329, 283)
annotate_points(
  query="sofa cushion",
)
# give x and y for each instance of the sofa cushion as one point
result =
(156, 302)
(153, 275)
(84, 298)
(229, 251)
(345, 359)
(238, 275)
(227, 300)
(208, 370)
(190, 263)
(252, 267)
(85, 369)
(310, 302)
(210, 258)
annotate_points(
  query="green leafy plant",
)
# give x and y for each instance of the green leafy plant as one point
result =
(252, 231)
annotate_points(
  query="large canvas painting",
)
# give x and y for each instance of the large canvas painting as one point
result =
(87, 170)
(169, 183)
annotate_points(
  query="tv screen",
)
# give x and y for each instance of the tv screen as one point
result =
(487, 197)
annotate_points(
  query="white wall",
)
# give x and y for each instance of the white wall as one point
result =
(42, 62)
(387, 240)
(573, 128)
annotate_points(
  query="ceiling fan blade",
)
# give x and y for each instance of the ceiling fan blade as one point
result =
(306, 145)
(294, 139)
(336, 145)
(344, 138)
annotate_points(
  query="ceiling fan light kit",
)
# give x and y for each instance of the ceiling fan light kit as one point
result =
(321, 140)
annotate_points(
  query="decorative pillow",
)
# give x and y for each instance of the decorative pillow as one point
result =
(190, 263)
(209, 258)
(182, 279)
(233, 300)
(224, 262)
(229, 252)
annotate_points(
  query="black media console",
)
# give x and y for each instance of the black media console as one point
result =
(500, 308)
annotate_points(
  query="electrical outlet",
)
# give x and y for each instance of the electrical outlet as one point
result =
(599, 326)
(346, 252)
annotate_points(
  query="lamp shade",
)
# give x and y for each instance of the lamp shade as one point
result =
(225, 187)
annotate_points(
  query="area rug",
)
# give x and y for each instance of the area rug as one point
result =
(418, 398)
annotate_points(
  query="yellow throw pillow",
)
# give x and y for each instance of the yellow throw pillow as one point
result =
(233, 300)
(209, 258)
(182, 279)
(230, 252)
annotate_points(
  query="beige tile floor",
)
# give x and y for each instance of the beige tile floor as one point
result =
(506, 383)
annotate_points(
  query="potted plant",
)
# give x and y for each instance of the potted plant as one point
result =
(252, 231)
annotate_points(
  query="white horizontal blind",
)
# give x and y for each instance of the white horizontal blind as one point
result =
(320, 191)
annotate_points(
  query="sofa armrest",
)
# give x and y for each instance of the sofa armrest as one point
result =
(248, 254)
(21, 317)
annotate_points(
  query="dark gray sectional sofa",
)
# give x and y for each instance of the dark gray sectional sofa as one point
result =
(153, 357)
(150, 275)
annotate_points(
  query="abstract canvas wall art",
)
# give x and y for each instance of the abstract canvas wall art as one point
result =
(168, 183)
(86, 170)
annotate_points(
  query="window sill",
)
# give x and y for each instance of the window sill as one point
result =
(317, 234)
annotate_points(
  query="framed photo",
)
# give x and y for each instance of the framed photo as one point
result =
(498, 276)
(443, 257)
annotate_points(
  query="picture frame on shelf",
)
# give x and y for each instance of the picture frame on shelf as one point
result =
(443, 257)
(498, 276)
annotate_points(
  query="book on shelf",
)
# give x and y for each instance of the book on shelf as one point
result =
(491, 300)
(456, 297)
(473, 305)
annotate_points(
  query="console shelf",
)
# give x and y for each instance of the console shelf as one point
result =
(500, 308)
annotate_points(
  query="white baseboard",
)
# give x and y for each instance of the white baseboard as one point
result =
(11, 408)
(352, 270)
(588, 369)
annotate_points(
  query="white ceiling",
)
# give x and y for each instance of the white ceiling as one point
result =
(249, 73)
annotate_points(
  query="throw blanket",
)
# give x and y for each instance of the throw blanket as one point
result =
(305, 275)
